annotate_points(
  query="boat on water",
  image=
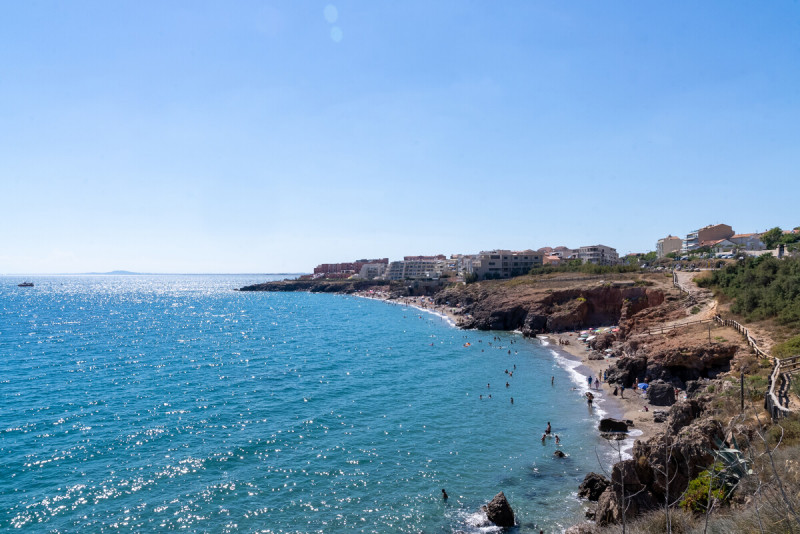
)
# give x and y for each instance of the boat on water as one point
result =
(25, 284)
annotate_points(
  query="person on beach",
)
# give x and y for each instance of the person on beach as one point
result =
(549, 429)
(589, 378)
(589, 398)
(444, 494)
(622, 391)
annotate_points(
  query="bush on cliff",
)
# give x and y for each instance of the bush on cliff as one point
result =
(761, 288)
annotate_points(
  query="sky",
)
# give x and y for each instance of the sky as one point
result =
(259, 136)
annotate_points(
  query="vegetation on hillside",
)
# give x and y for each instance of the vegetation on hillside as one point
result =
(775, 236)
(576, 266)
(761, 288)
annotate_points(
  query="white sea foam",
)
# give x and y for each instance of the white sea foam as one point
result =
(579, 379)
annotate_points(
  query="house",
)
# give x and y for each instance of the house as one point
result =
(749, 241)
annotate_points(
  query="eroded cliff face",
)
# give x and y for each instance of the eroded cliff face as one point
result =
(533, 312)
(676, 365)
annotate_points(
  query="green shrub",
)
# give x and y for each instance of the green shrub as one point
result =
(761, 288)
(696, 497)
(788, 348)
(789, 428)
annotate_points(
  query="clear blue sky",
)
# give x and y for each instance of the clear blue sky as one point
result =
(272, 136)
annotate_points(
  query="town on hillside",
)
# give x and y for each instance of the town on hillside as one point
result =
(717, 241)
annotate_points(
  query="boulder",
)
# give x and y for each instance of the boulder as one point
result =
(610, 424)
(499, 511)
(683, 413)
(660, 416)
(592, 486)
(581, 528)
(608, 509)
(660, 393)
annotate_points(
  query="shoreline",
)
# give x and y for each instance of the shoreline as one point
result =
(630, 407)
(625, 408)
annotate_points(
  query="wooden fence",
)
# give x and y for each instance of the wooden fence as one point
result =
(776, 399)
(663, 329)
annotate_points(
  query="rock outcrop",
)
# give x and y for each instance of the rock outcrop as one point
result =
(499, 511)
(676, 366)
(664, 464)
(493, 306)
(609, 424)
(593, 486)
(659, 393)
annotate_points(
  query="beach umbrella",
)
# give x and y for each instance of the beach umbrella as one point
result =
(643, 386)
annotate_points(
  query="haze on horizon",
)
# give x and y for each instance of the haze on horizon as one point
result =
(263, 136)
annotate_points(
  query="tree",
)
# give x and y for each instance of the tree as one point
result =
(772, 237)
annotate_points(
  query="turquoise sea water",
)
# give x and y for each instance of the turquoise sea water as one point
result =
(155, 403)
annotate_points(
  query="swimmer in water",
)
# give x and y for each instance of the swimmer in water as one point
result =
(444, 494)
(549, 429)
(558, 440)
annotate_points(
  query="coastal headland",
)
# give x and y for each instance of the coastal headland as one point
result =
(657, 349)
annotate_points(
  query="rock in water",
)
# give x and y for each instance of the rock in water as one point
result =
(592, 486)
(499, 511)
(613, 425)
(661, 393)
(559, 454)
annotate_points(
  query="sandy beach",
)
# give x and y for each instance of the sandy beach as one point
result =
(631, 406)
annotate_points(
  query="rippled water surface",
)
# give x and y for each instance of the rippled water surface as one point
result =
(153, 403)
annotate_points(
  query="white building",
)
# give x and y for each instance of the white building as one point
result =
(503, 263)
(598, 254)
(417, 267)
(371, 271)
(748, 241)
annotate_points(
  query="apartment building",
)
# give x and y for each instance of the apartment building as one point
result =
(668, 245)
(712, 232)
(504, 263)
(417, 267)
(346, 268)
(598, 254)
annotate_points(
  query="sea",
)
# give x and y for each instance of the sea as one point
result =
(153, 403)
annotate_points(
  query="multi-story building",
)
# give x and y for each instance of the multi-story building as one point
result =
(668, 245)
(417, 267)
(712, 232)
(598, 254)
(371, 271)
(504, 263)
(346, 268)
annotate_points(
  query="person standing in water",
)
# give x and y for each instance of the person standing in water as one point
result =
(548, 429)
(444, 494)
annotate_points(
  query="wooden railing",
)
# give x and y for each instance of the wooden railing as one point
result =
(662, 329)
(745, 332)
(776, 399)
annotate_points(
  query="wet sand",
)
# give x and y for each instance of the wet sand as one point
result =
(630, 407)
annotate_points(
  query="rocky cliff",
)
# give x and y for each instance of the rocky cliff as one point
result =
(533, 310)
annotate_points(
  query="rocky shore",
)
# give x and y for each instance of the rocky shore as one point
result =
(662, 339)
